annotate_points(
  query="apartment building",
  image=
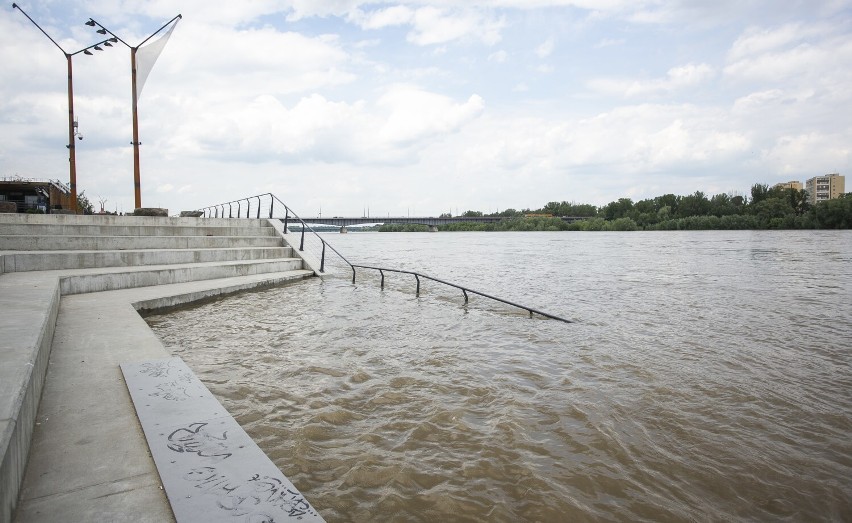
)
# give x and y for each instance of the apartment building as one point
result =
(825, 187)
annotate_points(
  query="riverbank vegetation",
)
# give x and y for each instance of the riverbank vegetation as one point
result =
(764, 208)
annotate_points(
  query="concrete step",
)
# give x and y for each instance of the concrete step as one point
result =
(73, 479)
(73, 219)
(82, 281)
(57, 229)
(27, 322)
(55, 260)
(110, 243)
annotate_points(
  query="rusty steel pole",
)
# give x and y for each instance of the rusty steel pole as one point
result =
(137, 182)
(72, 155)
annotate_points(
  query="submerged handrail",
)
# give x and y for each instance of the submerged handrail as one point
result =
(212, 211)
(465, 290)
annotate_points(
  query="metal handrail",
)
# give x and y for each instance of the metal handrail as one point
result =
(212, 210)
(465, 290)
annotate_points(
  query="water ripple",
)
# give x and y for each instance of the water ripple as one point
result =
(707, 379)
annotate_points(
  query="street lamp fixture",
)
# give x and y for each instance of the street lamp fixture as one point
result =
(72, 122)
(137, 185)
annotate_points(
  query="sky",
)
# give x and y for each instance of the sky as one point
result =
(416, 107)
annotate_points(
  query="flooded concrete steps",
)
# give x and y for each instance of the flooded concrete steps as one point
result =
(60, 229)
(43, 257)
(24, 261)
(109, 279)
(72, 243)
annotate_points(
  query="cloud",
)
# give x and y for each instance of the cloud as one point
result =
(424, 103)
(545, 49)
(391, 16)
(789, 53)
(391, 129)
(434, 26)
(756, 40)
(609, 42)
(681, 77)
(499, 57)
(411, 114)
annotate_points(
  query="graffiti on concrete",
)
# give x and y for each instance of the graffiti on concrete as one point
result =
(198, 439)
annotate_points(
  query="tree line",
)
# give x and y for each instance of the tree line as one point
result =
(767, 208)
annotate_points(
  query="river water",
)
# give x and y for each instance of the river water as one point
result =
(707, 377)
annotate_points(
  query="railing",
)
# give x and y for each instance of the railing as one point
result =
(465, 290)
(259, 209)
(265, 205)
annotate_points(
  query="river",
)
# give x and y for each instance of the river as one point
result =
(707, 377)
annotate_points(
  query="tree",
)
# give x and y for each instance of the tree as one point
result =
(759, 192)
(84, 206)
(694, 205)
(508, 213)
(667, 200)
(772, 211)
(618, 209)
(834, 214)
(721, 205)
(472, 214)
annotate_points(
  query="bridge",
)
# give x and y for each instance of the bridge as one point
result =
(340, 221)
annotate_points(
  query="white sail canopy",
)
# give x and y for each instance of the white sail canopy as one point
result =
(146, 57)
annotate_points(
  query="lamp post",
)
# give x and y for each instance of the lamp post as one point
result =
(72, 122)
(137, 184)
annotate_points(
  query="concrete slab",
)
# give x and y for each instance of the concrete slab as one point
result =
(56, 229)
(211, 469)
(110, 243)
(29, 310)
(25, 261)
(88, 457)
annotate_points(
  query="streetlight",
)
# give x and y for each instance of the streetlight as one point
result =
(72, 122)
(137, 185)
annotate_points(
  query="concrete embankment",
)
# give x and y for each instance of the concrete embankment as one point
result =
(70, 286)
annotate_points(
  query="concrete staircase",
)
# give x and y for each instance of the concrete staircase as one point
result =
(44, 257)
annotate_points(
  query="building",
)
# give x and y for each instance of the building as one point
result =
(34, 194)
(788, 185)
(826, 187)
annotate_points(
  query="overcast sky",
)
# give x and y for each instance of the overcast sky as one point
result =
(423, 107)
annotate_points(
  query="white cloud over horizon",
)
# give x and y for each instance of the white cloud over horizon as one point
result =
(434, 105)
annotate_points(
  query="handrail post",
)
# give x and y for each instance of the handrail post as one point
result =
(465, 295)
(353, 274)
(302, 244)
(217, 211)
(230, 211)
(286, 218)
(271, 204)
(258, 207)
(418, 284)
(322, 260)
(238, 209)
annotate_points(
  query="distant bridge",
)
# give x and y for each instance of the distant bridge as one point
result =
(339, 221)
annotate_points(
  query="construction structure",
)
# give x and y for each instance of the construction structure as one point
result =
(36, 195)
